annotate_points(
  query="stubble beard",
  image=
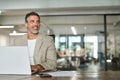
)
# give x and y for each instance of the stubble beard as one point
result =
(34, 32)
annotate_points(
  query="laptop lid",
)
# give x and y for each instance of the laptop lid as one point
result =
(14, 60)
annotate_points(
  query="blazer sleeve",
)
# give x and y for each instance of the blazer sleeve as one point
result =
(48, 58)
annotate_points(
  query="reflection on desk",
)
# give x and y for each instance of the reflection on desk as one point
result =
(14, 77)
(78, 75)
(33, 77)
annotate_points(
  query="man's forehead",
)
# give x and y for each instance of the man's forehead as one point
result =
(33, 17)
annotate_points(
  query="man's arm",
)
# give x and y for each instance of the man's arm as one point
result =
(37, 67)
(48, 59)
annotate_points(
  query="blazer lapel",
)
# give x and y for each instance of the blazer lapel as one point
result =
(38, 45)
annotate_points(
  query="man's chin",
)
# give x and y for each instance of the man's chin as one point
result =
(35, 32)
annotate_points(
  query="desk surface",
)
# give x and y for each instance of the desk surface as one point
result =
(80, 75)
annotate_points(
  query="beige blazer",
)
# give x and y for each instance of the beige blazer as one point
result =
(45, 52)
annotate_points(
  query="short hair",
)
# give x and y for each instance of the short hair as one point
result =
(30, 14)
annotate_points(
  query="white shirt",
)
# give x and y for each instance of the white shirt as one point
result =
(31, 46)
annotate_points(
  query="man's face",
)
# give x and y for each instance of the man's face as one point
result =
(33, 24)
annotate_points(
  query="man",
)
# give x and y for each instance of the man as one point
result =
(41, 47)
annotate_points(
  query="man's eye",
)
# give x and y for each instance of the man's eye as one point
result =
(32, 21)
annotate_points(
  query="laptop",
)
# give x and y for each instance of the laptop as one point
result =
(14, 60)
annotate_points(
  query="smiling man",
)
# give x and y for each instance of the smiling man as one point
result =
(41, 47)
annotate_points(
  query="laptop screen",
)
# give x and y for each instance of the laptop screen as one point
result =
(14, 60)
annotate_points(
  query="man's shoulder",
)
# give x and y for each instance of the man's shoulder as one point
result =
(45, 37)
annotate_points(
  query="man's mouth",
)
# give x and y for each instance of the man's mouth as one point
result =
(35, 28)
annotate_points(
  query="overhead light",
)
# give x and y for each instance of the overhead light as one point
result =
(73, 30)
(85, 28)
(108, 60)
(0, 11)
(6, 26)
(14, 33)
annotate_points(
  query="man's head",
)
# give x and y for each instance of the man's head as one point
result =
(32, 22)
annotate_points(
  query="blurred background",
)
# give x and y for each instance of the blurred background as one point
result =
(86, 34)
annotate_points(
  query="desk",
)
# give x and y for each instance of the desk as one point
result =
(17, 77)
(80, 75)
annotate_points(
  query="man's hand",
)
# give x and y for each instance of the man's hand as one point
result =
(36, 68)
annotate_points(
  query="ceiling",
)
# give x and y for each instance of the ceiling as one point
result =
(59, 16)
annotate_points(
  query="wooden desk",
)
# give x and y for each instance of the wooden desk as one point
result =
(19, 77)
(81, 75)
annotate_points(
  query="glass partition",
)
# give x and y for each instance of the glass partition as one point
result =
(82, 47)
(10, 36)
(113, 42)
(79, 40)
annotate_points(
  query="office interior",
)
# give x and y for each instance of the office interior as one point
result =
(86, 36)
